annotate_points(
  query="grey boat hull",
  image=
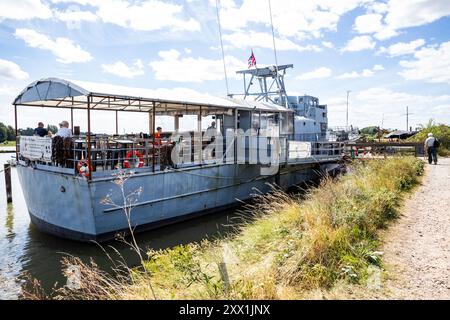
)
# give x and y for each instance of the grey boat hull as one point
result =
(71, 207)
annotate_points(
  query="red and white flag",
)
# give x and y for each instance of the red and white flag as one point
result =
(252, 60)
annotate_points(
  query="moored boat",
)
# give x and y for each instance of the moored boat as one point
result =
(252, 145)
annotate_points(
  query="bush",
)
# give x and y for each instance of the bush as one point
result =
(440, 131)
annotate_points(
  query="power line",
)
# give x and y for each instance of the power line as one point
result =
(279, 85)
(221, 46)
(273, 37)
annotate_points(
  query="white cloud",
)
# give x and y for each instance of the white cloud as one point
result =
(149, 15)
(80, 2)
(263, 40)
(402, 48)
(75, 15)
(368, 23)
(385, 96)
(413, 13)
(24, 10)
(10, 70)
(386, 33)
(318, 73)
(388, 18)
(366, 73)
(431, 64)
(122, 70)
(4, 89)
(145, 16)
(173, 67)
(378, 67)
(443, 109)
(373, 23)
(359, 43)
(297, 19)
(65, 50)
(328, 44)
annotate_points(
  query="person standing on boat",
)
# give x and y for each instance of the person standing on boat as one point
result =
(40, 130)
(158, 136)
(64, 131)
(211, 132)
(431, 145)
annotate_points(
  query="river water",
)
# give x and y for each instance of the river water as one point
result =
(25, 250)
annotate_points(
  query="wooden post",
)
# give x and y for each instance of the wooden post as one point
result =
(236, 112)
(117, 122)
(199, 120)
(153, 125)
(7, 170)
(71, 118)
(88, 137)
(17, 131)
(177, 123)
(200, 156)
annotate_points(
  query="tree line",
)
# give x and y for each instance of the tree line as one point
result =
(8, 133)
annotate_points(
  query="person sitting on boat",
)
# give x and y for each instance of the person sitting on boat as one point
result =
(158, 136)
(255, 126)
(64, 130)
(40, 130)
(211, 132)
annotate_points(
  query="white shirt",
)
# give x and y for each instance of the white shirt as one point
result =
(210, 132)
(64, 133)
(430, 141)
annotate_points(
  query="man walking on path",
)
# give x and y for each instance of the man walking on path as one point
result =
(431, 148)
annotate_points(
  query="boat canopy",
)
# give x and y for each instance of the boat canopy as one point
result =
(73, 94)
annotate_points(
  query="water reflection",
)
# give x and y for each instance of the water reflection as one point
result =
(26, 251)
(9, 223)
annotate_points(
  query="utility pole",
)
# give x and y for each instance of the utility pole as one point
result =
(348, 92)
(407, 118)
(380, 130)
(407, 114)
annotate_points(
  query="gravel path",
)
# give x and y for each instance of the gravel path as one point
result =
(417, 246)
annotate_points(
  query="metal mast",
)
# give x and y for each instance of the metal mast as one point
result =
(271, 83)
(221, 46)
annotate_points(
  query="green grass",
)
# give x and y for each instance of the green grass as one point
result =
(8, 144)
(294, 245)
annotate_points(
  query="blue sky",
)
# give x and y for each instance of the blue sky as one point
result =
(390, 54)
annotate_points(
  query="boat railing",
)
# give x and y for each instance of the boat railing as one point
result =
(108, 153)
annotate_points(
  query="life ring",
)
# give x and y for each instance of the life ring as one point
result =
(84, 168)
(133, 154)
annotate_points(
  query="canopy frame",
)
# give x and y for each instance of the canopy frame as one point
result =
(63, 94)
